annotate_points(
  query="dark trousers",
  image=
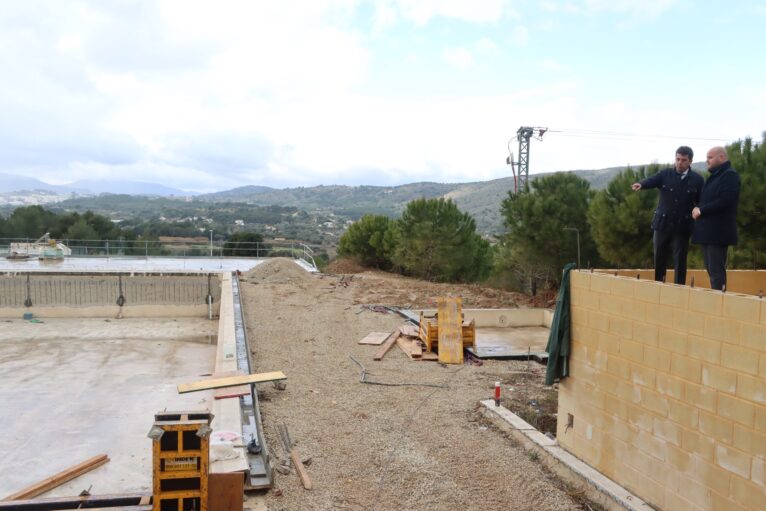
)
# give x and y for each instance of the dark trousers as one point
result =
(715, 263)
(668, 243)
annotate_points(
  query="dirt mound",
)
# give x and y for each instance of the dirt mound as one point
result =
(280, 271)
(344, 265)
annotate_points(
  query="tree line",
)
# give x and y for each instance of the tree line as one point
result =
(559, 220)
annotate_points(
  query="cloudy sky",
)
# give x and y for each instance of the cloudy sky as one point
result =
(205, 95)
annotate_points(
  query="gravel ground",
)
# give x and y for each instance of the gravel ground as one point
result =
(372, 446)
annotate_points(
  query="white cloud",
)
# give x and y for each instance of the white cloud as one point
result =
(521, 35)
(422, 11)
(459, 58)
(647, 8)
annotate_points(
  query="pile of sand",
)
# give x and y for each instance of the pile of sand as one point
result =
(344, 265)
(280, 271)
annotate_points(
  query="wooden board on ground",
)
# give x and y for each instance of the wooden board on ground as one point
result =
(296, 458)
(375, 338)
(229, 392)
(231, 381)
(450, 330)
(409, 330)
(59, 479)
(226, 491)
(386, 345)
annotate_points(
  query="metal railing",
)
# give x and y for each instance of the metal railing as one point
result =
(174, 248)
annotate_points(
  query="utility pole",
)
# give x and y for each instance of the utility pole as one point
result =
(524, 135)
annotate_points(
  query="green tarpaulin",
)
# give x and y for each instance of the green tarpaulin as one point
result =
(559, 338)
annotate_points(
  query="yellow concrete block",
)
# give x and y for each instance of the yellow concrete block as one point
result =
(722, 329)
(647, 291)
(651, 491)
(658, 315)
(598, 321)
(632, 350)
(609, 304)
(704, 349)
(657, 359)
(672, 295)
(750, 495)
(758, 471)
(688, 322)
(733, 460)
(641, 419)
(668, 431)
(673, 340)
(719, 378)
(673, 500)
(752, 389)
(685, 367)
(639, 460)
(606, 382)
(680, 459)
(685, 415)
(760, 418)
(664, 473)
(579, 315)
(739, 359)
(711, 476)
(654, 402)
(741, 307)
(584, 335)
(696, 443)
(670, 386)
(698, 493)
(646, 333)
(762, 366)
(735, 409)
(616, 407)
(634, 309)
(609, 343)
(701, 397)
(624, 287)
(706, 301)
(624, 430)
(642, 375)
(717, 428)
(579, 279)
(723, 502)
(750, 441)
(651, 445)
(621, 327)
(753, 336)
(763, 313)
(628, 392)
(618, 367)
(601, 283)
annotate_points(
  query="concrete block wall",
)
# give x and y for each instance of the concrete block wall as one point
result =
(78, 294)
(667, 392)
(750, 282)
(498, 318)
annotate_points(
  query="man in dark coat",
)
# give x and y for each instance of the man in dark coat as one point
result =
(672, 223)
(715, 226)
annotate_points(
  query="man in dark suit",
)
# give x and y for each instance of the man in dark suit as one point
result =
(715, 226)
(672, 223)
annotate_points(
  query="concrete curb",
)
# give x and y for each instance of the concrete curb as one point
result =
(597, 487)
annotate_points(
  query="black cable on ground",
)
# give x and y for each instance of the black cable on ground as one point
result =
(363, 379)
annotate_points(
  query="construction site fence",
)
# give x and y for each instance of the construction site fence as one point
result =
(177, 248)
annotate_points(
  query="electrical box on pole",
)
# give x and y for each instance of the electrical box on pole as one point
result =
(520, 167)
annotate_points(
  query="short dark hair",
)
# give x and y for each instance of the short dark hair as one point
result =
(685, 151)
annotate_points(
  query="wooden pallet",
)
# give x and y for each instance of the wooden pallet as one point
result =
(428, 332)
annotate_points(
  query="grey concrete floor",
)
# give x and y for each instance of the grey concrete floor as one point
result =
(74, 388)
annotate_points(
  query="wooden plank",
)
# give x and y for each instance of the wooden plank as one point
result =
(229, 392)
(406, 345)
(387, 344)
(298, 464)
(409, 330)
(231, 381)
(59, 479)
(226, 492)
(417, 349)
(450, 330)
(430, 356)
(375, 338)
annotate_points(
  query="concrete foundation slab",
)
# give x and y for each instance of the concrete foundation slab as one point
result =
(102, 264)
(511, 341)
(74, 388)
